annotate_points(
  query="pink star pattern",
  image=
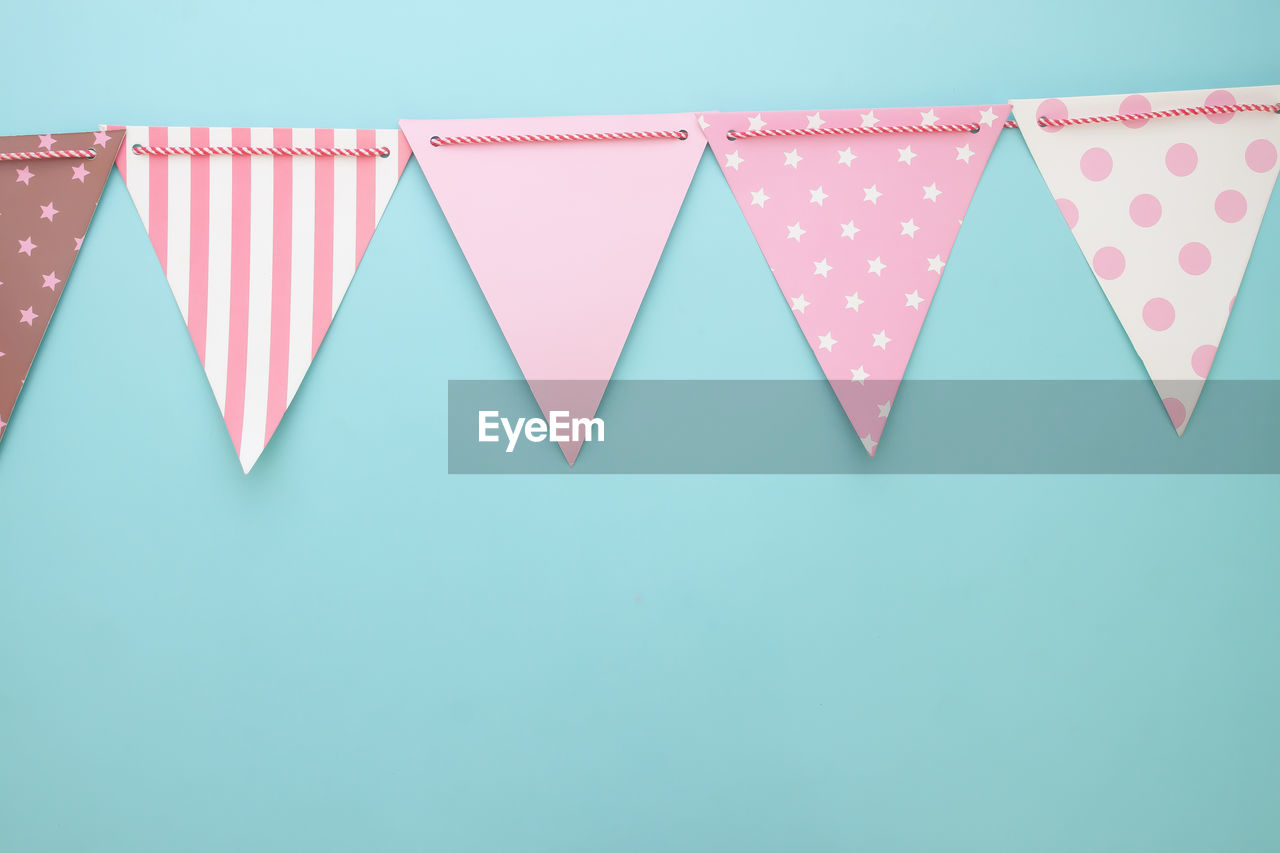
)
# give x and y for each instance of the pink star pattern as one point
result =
(856, 230)
(41, 209)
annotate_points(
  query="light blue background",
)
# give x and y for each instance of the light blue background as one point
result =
(352, 650)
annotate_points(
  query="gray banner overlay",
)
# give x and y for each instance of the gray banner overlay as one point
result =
(935, 427)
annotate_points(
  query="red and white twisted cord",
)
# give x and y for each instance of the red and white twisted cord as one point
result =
(1226, 109)
(76, 154)
(974, 127)
(275, 152)
(873, 130)
(438, 141)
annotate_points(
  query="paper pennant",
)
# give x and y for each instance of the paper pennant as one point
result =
(563, 237)
(45, 209)
(1166, 212)
(857, 230)
(259, 251)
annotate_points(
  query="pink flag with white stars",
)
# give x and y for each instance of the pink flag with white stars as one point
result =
(857, 229)
(45, 208)
(562, 236)
(259, 250)
(1166, 211)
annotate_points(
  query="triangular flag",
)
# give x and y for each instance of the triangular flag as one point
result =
(562, 236)
(45, 208)
(259, 250)
(857, 228)
(1166, 211)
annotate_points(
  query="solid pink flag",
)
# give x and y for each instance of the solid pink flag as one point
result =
(563, 237)
(857, 229)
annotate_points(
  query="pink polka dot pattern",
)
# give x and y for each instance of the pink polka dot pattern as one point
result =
(1135, 104)
(1181, 159)
(1230, 205)
(1202, 360)
(1096, 164)
(1052, 108)
(1194, 258)
(1158, 314)
(1144, 210)
(1069, 212)
(1260, 155)
(1108, 263)
(1166, 212)
(1220, 98)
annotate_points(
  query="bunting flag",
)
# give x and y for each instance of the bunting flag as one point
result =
(856, 212)
(49, 189)
(1166, 209)
(562, 221)
(259, 232)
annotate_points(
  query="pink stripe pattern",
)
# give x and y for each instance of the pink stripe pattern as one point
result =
(281, 151)
(259, 244)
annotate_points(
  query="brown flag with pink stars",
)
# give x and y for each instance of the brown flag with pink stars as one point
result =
(45, 208)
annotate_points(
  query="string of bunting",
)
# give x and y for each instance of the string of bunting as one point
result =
(259, 231)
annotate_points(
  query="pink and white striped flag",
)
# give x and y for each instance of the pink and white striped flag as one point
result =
(259, 250)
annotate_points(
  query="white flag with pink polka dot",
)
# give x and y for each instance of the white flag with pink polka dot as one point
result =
(1166, 211)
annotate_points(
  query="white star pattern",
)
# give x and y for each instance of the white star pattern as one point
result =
(987, 117)
(755, 123)
(702, 123)
(915, 190)
(732, 160)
